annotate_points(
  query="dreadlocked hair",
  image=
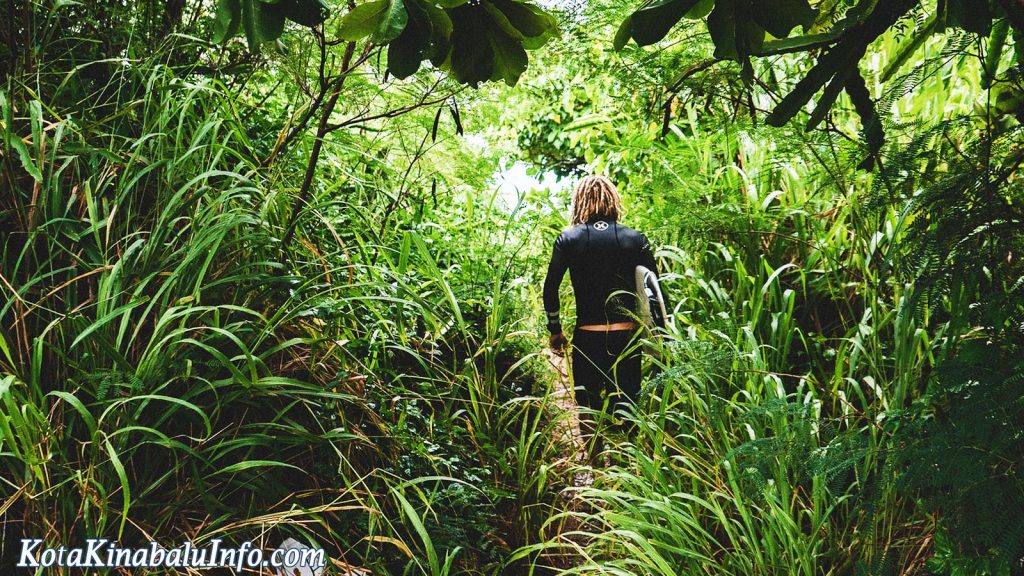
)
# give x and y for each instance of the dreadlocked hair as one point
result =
(595, 196)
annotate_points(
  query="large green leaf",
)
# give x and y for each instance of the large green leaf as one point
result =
(971, 15)
(262, 22)
(857, 89)
(305, 12)
(405, 55)
(532, 19)
(799, 43)
(779, 17)
(861, 10)
(908, 48)
(270, 22)
(472, 59)
(502, 22)
(26, 158)
(736, 29)
(510, 58)
(392, 23)
(407, 51)
(652, 22)
(440, 36)
(529, 20)
(1018, 50)
(722, 27)
(701, 9)
(228, 17)
(834, 62)
(828, 98)
(994, 51)
(623, 34)
(362, 20)
(750, 36)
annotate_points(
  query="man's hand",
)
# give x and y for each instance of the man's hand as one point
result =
(558, 342)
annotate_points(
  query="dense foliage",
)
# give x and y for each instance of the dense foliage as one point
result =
(261, 279)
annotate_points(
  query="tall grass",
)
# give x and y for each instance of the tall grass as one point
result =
(155, 385)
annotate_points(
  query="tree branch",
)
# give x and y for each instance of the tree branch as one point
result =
(318, 144)
(392, 113)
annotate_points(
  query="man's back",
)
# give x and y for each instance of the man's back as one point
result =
(601, 256)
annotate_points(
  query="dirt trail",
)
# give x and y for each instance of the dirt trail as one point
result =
(573, 450)
(566, 403)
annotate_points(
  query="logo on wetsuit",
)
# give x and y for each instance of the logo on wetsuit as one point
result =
(600, 225)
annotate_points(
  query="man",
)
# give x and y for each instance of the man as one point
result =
(601, 255)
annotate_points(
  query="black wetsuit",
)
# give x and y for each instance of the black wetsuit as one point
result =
(601, 256)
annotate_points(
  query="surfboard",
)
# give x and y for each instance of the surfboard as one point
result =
(651, 301)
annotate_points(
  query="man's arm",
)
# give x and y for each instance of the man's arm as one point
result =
(556, 271)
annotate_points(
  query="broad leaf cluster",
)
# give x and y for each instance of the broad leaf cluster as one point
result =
(475, 40)
(841, 29)
(738, 27)
(263, 20)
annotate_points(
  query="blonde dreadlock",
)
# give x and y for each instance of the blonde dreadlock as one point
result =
(595, 196)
